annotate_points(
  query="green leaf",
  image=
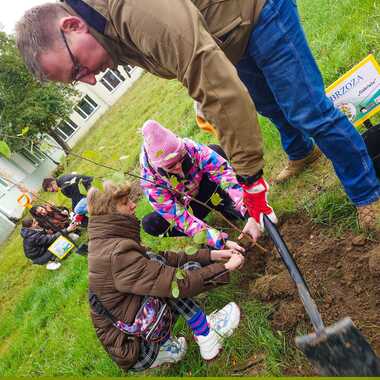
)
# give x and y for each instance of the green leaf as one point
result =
(44, 146)
(115, 156)
(191, 250)
(61, 199)
(82, 188)
(122, 158)
(200, 237)
(24, 131)
(91, 155)
(175, 289)
(171, 226)
(118, 178)
(159, 153)
(216, 199)
(174, 181)
(180, 274)
(4, 149)
(190, 210)
(97, 183)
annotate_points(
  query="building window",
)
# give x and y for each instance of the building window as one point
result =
(34, 156)
(66, 129)
(112, 79)
(86, 107)
(129, 69)
(3, 184)
(119, 75)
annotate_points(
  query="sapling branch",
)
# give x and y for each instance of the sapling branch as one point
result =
(232, 225)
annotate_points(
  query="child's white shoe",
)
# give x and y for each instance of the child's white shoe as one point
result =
(209, 345)
(52, 265)
(172, 351)
(226, 320)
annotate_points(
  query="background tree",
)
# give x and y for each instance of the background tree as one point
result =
(28, 107)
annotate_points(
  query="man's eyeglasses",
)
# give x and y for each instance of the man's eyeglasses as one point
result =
(78, 71)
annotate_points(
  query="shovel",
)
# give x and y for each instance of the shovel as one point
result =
(337, 350)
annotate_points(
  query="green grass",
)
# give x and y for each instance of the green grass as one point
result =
(44, 318)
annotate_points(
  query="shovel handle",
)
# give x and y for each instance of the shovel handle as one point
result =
(295, 274)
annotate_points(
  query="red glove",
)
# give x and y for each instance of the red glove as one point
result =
(78, 218)
(255, 198)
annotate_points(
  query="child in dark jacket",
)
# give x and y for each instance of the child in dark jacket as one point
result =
(69, 186)
(122, 273)
(37, 241)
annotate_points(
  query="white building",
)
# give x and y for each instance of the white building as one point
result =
(29, 165)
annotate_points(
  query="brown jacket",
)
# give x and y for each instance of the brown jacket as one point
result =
(194, 41)
(120, 274)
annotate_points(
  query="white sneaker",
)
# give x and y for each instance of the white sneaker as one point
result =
(73, 236)
(172, 351)
(209, 345)
(225, 321)
(52, 265)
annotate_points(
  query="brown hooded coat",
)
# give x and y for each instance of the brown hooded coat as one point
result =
(120, 274)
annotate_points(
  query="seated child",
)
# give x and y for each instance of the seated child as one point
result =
(122, 274)
(36, 242)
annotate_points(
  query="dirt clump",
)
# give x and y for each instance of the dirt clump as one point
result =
(271, 286)
(288, 315)
(342, 274)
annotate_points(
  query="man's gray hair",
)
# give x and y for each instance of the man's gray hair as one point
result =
(38, 32)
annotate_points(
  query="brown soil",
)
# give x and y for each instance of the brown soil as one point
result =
(343, 275)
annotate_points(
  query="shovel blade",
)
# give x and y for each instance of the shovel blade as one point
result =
(340, 350)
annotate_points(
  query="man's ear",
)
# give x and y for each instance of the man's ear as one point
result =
(72, 24)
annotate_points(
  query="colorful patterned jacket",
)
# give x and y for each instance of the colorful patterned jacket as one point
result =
(169, 204)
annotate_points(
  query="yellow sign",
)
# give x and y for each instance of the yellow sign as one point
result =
(357, 93)
(61, 247)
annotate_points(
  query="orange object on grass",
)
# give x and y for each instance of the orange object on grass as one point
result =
(24, 200)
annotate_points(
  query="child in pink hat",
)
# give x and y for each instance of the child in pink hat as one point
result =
(163, 147)
(176, 169)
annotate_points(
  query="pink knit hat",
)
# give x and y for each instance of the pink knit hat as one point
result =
(163, 147)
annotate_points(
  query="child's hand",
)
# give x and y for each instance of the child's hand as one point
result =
(232, 245)
(222, 254)
(236, 261)
(72, 227)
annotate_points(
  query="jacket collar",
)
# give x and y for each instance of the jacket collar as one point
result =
(114, 226)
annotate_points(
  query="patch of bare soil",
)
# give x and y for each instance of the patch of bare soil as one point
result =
(343, 275)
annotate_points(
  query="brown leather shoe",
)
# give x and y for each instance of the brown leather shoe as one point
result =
(295, 167)
(369, 216)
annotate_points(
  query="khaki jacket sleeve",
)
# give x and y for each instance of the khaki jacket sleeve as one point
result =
(135, 274)
(172, 35)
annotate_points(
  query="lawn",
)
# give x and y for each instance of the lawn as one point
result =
(45, 328)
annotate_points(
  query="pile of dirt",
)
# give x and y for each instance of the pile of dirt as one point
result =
(343, 275)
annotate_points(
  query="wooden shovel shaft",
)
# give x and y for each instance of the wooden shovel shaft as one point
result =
(303, 291)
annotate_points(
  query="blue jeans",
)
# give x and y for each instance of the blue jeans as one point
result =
(286, 86)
